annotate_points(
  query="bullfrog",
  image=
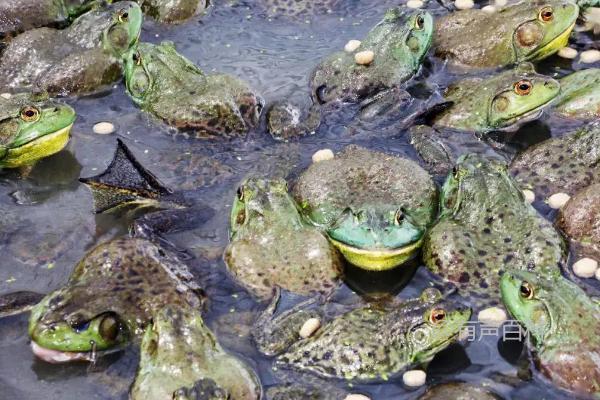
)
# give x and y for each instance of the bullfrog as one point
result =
(376, 341)
(399, 43)
(374, 207)
(17, 16)
(563, 328)
(272, 246)
(579, 219)
(458, 391)
(486, 226)
(502, 101)
(167, 85)
(526, 31)
(580, 95)
(561, 164)
(31, 128)
(77, 60)
(110, 298)
(180, 355)
(173, 11)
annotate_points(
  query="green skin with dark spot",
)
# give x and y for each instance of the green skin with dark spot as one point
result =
(375, 342)
(563, 327)
(127, 280)
(485, 104)
(580, 95)
(372, 205)
(579, 219)
(180, 355)
(24, 141)
(399, 43)
(513, 34)
(17, 16)
(563, 164)
(485, 227)
(169, 86)
(79, 59)
(272, 246)
(172, 11)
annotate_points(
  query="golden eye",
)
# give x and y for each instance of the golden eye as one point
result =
(30, 114)
(240, 193)
(437, 316)
(123, 16)
(546, 14)
(526, 290)
(419, 22)
(398, 217)
(523, 88)
(137, 58)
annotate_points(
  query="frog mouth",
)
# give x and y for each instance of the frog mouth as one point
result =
(531, 115)
(59, 357)
(40, 147)
(377, 259)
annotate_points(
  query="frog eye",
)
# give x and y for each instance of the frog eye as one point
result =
(437, 316)
(398, 217)
(455, 172)
(109, 328)
(419, 22)
(240, 193)
(123, 16)
(30, 114)
(523, 87)
(137, 58)
(546, 14)
(526, 290)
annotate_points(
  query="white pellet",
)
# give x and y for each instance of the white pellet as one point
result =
(500, 3)
(489, 9)
(355, 396)
(529, 195)
(364, 57)
(104, 128)
(415, 4)
(352, 45)
(464, 4)
(557, 200)
(567, 52)
(493, 316)
(309, 327)
(590, 56)
(6, 95)
(414, 378)
(585, 268)
(322, 155)
(598, 274)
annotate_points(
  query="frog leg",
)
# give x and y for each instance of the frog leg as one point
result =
(168, 221)
(202, 389)
(438, 158)
(18, 302)
(390, 103)
(285, 121)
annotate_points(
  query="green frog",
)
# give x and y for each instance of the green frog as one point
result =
(169, 86)
(80, 59)
(458, 391)
(372, 342)
(399, 43)
(31, 128)
(374, 207)
(560, 164)
(502, 101)
(271, 245)
(173, 11)
(580, 95)
(579, 219)
(181, 359)
(525, 31)
(17, 16)
(111, 297)
(485, 227)
(563, 328)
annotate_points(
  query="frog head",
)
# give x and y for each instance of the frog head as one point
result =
(31, 128)
(123, 31)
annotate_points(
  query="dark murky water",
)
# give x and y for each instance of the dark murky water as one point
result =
(48, 222)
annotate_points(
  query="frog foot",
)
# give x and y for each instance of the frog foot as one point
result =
(284, 121)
